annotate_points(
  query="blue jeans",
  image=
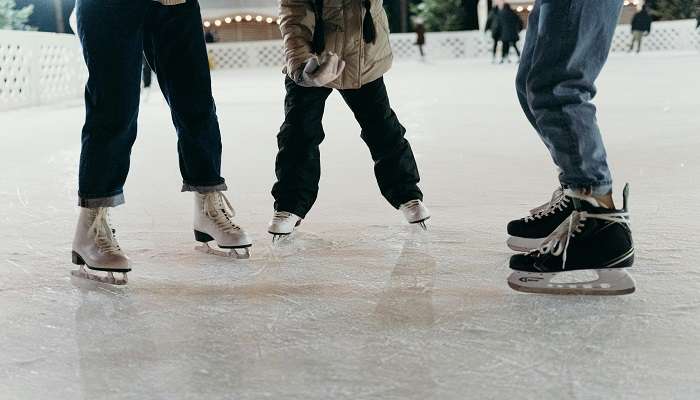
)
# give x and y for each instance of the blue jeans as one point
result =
(567, 44)
(115, 34)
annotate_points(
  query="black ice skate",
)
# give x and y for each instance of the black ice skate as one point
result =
(528, 233)
(591, 238)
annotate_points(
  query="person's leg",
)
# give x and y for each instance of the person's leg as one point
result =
(634, 39)
(505, 51)
(526, 60)
(517, 50)
(495, 49)
(111, 37)
(175, 49)
(639, 41)
(298, 163)
(574, 39)
(394, 164)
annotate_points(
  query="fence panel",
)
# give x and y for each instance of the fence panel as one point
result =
(39, 68)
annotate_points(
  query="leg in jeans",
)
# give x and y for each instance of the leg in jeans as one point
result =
(111, 36)
(298, 163)
(572, 39)
(174, 46)
(394, 164)
(525, 65)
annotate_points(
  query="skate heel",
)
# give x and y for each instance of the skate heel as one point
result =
(77, 260)
(202, 237)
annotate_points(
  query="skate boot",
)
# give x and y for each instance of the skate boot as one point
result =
(527, 234)
(282, 224)
(591, 238)
(415, 212)
(213, 221)
(95, 248)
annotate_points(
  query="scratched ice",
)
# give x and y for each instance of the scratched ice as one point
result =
(358, 305)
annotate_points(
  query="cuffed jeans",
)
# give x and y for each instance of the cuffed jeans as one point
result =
(567, 44)
(115, 34)
(298, 164)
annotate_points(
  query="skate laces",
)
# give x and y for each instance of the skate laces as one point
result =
(411, 205)
(558, 201)
(281, 216)
(218, 208)
(557, 243)
(105, 237)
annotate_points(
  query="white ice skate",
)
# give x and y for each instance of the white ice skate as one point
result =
(213, 221)
(95, 248)
(282, 224)
(415, 212)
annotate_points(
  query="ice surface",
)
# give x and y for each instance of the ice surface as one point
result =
(358, 306)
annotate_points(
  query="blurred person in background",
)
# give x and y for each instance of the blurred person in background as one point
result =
(641, 26)
(493, 26)
(419, 27)
(510, 26)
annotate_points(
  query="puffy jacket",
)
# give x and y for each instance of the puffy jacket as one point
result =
(510, 25)
(641, 22)
(342, 22)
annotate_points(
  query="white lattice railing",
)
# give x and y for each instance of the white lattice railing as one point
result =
(39, 68)
(665, 36)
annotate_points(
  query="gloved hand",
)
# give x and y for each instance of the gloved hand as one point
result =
(319, 74)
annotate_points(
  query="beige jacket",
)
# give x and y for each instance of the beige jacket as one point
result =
(364, 62)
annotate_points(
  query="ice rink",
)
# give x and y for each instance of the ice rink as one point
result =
(358, 305)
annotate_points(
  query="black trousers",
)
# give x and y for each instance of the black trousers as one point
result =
(298, 164)
(506, 49)
(115, 35)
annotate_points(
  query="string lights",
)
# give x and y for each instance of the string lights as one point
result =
(241, 18)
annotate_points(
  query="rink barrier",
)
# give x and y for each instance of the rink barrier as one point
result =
(665, 36)
(40, 68)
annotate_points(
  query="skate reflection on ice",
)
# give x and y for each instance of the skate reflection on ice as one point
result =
(408, 298)
(299, 242)
(405, 309)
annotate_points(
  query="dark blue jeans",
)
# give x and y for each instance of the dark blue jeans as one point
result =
(115, 34)
(567, 44)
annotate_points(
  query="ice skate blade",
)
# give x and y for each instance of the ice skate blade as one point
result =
(231, 253)
(610, 282)
(421, 223)
(523, 244)
(109, 278)
(280, 237)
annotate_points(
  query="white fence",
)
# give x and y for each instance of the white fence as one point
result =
(665, 36)
(40, 68)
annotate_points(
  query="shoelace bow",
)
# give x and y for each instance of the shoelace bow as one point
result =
(557, 243)
(105, 237)
(218, 208)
